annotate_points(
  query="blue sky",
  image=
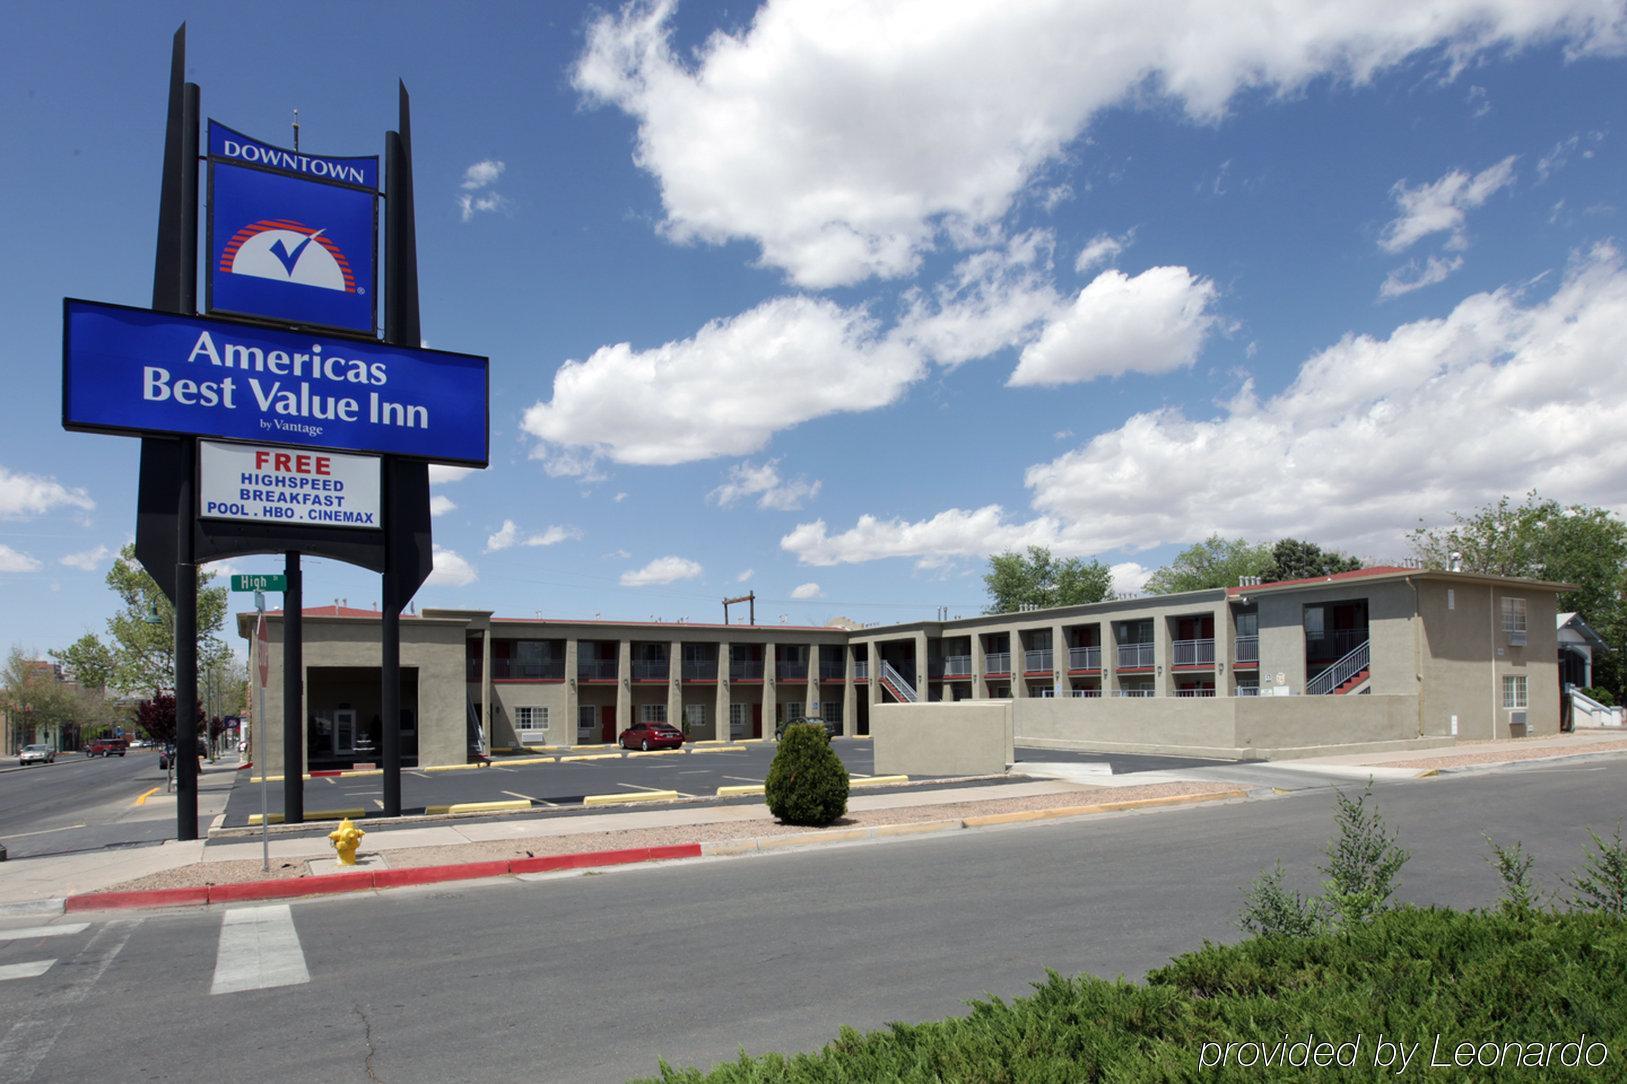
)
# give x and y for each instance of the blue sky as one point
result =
(832, 304)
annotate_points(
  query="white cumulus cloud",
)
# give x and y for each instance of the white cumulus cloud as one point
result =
(661, 570)
(994, 299)
(1101, 251)
(744, 576)
(763, 481)
(804, 591)
(31, 495)
(1152, 323)
(509, 535)
(478, 195)
(956, 532)
(441, 474)
(723, 391)
(848, 140)
(13, 561)
(90, 560)
(450, 569)
(440, 504)
(1442, 206)
(1415, 276)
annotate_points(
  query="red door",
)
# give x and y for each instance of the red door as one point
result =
(607, 721)
(756, 720)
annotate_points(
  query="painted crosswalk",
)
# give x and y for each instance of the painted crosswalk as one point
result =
(259, 949)
(67, 929)
(28, 970)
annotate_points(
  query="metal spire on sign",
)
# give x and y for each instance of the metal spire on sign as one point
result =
(296, 127)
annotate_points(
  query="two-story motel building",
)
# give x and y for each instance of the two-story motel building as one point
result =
(1366, 659)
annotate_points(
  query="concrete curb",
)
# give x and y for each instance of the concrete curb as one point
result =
(361, 880)
(639, 796)
(376, 880)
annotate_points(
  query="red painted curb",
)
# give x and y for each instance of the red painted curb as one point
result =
(152, 897)
(428, 875)
(360, 881)
(368, 880)
(327, 774)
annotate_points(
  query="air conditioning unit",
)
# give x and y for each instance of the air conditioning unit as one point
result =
(1516, 724)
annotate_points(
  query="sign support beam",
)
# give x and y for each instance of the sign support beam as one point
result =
(293, 692)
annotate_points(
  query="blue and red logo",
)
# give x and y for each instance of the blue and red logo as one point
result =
(283, 250)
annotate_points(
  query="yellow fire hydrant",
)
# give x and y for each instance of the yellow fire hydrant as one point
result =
(346, 838)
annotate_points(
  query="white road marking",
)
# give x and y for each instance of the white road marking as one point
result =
(43, 831)
(743, 779)
(43, 931)
(32, 1038)
(259, 949)
(635, 786)
(25, 971)
(527, 797)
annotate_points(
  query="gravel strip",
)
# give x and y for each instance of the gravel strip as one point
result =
(1511, 756)
(236, 871)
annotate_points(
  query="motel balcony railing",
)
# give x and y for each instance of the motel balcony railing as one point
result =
(596, 669)
(861, 669)
(997, 662)
(1037, 660)
(1087, 694)
(1137, 656)
(790, 669)
(1138, 694)
(1334, 643)
(700, 669)
(831, 671)
(1246, 649)
(525, 669)
(1194, 693)
(1194, 652)
(1085, 658)
(650, 670)
(1248, 690)
(952, 666)
(745, 669)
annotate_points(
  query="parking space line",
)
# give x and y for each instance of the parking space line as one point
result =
(141, 799)
(43, 831)
(742, 778)
(635, 786)
(527, 797)
(25, 971)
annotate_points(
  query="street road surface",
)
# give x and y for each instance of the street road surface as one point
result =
(586, 978)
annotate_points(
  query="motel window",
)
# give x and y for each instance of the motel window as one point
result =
(1514, 692)
(652, 713)
(531, 718)
(694, 714)
(791, 711)
(737, 716)
(587, 721)
(1514, 615)
(830, 711)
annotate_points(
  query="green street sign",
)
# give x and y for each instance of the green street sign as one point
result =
(278, 582)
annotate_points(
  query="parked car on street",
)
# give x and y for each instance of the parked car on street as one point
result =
(36, 754)
(107, 747)
(651, 736)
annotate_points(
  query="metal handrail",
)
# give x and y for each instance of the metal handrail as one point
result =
(1336, 642)
(1194, 652)
(1193, 693)
(957, 666)
(1037, 660)
(596, 669)
(1136, 656)
(1086, 694)
(1085, 658)
(861, 669)
(997, 662)
(1136, 693)
(1248, 690)
(517, 669)
(786, 669)
(700, 669)
(745, 669)
(896, 682)
(1359, 659)
(1246, 649)
(650, 670)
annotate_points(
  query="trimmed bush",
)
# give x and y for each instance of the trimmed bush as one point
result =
(806, 783)
(1408, 974)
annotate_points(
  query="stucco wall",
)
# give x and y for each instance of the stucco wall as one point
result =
(1294, 722)
(1466, 655)
(969, 737)
(1390, 625)
(1192, 722)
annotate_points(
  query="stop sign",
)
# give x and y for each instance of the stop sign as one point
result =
(260, 651)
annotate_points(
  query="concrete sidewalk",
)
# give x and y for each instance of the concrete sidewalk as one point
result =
(1487, 753)
(58, 876)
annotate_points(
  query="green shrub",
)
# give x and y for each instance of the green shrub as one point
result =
(1514, 866)
(1362, 862)
(1602, 695)
(1407, 973)
(1601, 885)
(807, 783)
(1270, 910)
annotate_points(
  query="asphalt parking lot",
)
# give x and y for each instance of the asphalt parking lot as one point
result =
(561, 784)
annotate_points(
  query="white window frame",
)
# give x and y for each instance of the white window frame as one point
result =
(1514, 626)
(652, 713)
(739, 720)
(531, 718)
(587, 720)
(694, 714)
(1515, 692)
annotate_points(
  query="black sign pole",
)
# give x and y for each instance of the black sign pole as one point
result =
(175, 289)
(293, 692)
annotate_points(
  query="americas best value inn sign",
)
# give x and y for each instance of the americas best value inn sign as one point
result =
(135, 371)
(277, 485)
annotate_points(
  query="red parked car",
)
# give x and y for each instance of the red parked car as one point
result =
(651, 736)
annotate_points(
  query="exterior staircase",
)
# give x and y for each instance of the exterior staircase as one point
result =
(895, 683)
(1349, 676)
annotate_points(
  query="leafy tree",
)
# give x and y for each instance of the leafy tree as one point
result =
(1575, 543)
(1036, 578)
(223, 683)
(143, 630)
(1214, 562)
(32, 693)
(1296, 559)
(156, 718)
(88, 661)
